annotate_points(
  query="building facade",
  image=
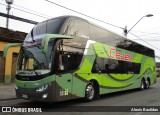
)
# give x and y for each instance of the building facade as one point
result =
(8, 64)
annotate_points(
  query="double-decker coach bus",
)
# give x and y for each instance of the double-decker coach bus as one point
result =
(68, 57)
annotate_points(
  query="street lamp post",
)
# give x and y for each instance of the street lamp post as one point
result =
(127, 31)
(9, 2)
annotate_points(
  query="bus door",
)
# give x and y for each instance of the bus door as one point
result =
(64, 78)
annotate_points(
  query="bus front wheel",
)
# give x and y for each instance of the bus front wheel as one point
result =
(90, 92)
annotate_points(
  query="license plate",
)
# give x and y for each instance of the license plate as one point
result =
(24, 96)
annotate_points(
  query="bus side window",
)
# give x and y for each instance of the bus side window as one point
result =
(76, 27)
(69, 61)
(98, 66)
(106, 65)
(60, 63)
(111, 65)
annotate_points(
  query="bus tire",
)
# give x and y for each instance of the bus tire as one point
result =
(147, 84)
(90, 92)
(142, 84)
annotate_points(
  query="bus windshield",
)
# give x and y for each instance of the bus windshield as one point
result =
(48, 27)
(32, 61)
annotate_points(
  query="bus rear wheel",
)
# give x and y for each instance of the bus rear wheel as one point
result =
(90, 92)
(147, 84)
(142, 84)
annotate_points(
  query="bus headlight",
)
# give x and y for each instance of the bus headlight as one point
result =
(42, 88)
(16, 87)
(44, 96)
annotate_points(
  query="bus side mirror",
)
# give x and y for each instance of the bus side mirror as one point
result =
(48, 37)
(44, 45)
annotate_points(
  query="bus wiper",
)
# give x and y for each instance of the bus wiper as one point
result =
(35, 72)
(28, 72)
(32, 35)
(44, 56)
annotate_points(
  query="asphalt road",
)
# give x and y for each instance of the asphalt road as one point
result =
(149, 97)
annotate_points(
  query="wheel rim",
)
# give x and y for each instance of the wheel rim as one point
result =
(90, 92)
(147, 84)
(142, 85)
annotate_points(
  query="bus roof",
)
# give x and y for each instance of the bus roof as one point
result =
(66, 17)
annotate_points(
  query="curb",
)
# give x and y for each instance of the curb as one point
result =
(9, 99)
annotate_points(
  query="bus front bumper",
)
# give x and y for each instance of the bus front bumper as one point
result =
(42, 93)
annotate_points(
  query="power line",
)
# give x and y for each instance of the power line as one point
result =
(149, 39)
(98, 20)
(145, 32)
(148, 44)
(157, 27)
(94, 18)
(78, 13)
(30, 12)
(83, 14)
(26, 11)
(145, 41)
(62, 7)
(33, 11)
(18, 18)
(29, 9)
(149, 34)
(152, 37)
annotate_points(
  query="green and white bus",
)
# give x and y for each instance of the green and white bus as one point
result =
(68, 57)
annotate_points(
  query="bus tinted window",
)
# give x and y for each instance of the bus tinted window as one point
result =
(76, 27)
(106, 65)
(104, 36)
(54, 26)
(69, 54)
(40, 29)
(99, 34)
(135, 47)
(68, 61)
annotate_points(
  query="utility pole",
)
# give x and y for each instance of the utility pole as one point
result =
(9, 2)
(127, 31)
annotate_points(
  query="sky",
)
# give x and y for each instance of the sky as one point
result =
(117, 12)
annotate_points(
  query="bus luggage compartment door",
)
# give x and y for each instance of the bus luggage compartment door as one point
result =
(63, 87)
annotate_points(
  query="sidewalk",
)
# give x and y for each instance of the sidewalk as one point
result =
(7, 91)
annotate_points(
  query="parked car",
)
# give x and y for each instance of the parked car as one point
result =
(158, 72)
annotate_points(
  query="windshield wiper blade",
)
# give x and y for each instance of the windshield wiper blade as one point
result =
(32, 35)
(35, 72)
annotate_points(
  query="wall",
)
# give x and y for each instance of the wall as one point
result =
(8, 64)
